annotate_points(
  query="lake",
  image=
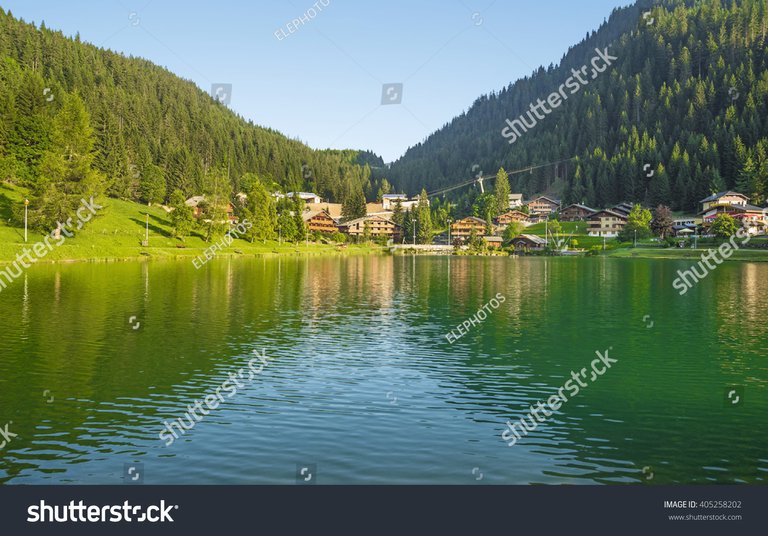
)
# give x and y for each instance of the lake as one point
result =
(361, 385)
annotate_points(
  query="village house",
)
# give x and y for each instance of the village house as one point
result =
(333, 210)
(198, 203)
(543, 206)
(576, 212)
(389, 201)
(526, 242)
(688, 220)
(512, 216)
(737, 206)
(308, 197)
(493, 242)
(606, 223)
(376, 225)
(377, 209)
(623, 208)
(515, 201)
(319, 221)
(462, 229)
(686, 226)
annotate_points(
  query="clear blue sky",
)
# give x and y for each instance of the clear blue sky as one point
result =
(323, 83)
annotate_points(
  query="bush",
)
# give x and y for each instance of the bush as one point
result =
(339, 238)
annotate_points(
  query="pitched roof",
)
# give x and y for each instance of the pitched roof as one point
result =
(737, 208)
(364, 218)
(334, 209)
(555, 201)
(513, 211)
(194, 200)
(532, 238)
(715, 197)
(610, 212)
(372, 208)
(623, 208)
(309, 214)
(577, 205)
(473, 218)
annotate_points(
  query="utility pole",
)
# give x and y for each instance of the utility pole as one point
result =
(26, 207)
(635, 238)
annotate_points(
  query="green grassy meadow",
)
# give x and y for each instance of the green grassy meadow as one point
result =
(119, 228)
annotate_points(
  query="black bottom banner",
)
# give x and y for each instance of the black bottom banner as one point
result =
(377, 509)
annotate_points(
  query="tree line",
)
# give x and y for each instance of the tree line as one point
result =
(681, 114)
(76, 119)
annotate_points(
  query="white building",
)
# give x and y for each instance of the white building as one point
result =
(389, 201)
(309, 198)
(515, 201)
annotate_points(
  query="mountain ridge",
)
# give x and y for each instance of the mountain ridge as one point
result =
(667, 103)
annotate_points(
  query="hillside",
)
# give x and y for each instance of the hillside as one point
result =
(680, 113)
(150, 126)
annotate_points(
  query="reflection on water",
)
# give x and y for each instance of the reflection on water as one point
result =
(363, 383)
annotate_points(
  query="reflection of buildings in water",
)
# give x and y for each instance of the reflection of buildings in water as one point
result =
(145, 276)
(57, 287)
(738, 317)
(25, 305)
(322, 287)
(753, 288)
(363, 280)
(230, 278)
(521, 281)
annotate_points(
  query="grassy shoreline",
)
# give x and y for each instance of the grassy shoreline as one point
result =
(117, 232)
(743, 255)
(188, 254)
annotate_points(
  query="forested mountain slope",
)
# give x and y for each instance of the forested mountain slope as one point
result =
(682, 112)
(153, 132)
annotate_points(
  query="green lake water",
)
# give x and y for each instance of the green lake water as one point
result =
(363, 387)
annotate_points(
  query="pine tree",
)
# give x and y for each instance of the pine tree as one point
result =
(502, 191)
(659, 190)
(67, 172)
(397, 213)
(298, 210)
(152, 185)
(424, 218)
(353, 205)
(182, 215)
(408, 225)
(286, 221)
(263, 212)
(748, 182)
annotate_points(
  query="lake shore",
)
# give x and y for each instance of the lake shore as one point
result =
(77, 253)
(80, 252)
(742, 255)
